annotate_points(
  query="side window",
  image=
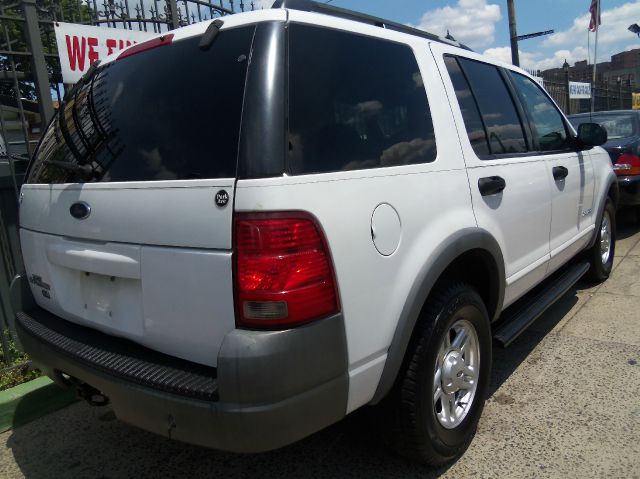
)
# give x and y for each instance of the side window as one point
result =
(549, 131)
(498, 111)
(468, 107)
(355, 102)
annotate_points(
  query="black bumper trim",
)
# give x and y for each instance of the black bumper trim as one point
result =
(120, 358)
(246, 427)
(629, 190)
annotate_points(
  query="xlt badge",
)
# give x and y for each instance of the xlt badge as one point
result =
(44, 287)
(37, 281)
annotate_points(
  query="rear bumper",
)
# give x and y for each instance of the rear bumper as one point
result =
(269, 389)
(629, 190)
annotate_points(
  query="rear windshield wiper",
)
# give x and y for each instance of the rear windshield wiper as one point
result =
(210, 34)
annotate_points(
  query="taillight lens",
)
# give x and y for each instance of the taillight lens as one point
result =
(283, 270)
(627, 164)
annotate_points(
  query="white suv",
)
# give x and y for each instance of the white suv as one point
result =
(241, 231)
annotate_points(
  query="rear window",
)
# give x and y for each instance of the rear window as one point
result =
(617, 126)
(355, 102)
(165, 114)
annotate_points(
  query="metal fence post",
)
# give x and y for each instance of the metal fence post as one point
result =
(175, 22)
(619, 94)
(38, 63)
(567, 82)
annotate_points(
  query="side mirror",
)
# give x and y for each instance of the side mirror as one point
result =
(591, 134)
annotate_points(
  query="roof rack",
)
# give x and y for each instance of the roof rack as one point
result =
(311, 6)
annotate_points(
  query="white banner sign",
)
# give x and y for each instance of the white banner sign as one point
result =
(81, 45)
(581, 91)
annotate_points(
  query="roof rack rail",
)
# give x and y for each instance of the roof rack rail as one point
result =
(311, 6)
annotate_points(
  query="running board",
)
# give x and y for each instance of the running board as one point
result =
(516, 321)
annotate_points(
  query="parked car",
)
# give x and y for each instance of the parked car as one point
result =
(623, 146)
(339, 211)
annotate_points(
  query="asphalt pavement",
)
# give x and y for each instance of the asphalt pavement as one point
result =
(565, 402)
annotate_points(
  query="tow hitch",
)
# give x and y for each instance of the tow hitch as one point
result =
(89, 393)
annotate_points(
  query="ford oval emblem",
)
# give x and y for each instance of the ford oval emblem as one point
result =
(80, 210)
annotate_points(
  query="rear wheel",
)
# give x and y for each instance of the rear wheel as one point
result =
(601, 255)
(434, 409)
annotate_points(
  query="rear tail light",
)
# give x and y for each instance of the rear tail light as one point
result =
(283, 270)
(627, 164)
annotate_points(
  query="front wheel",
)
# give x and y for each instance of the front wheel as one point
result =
(437, 402)
(600, 256)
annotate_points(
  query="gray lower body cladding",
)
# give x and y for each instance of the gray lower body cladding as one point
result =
(269, 389)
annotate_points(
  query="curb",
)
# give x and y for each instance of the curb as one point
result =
(26, 402)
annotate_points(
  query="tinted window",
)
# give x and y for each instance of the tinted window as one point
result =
(617, 126)
(496, 107)
(167, 113)
(547, 126)
(355, 102)
(468, 107)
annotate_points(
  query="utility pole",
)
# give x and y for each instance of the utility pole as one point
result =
(515, 57)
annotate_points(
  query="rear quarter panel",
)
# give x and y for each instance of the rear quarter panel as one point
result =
(432, 201)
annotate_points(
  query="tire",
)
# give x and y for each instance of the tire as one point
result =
(601, 254)
(419, 418)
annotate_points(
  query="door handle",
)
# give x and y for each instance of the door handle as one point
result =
(491, 185)
(560, 173)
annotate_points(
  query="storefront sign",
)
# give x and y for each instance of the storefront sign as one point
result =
(81, 45)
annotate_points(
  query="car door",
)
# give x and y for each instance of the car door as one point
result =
(570, 172)
(510, 188)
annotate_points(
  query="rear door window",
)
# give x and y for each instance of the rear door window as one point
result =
(499, 114)
(167, 113)
(468, 107)
(355, 102)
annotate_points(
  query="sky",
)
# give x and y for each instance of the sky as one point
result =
(484, 26)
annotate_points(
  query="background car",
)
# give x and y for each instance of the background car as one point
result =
(623, 146)
(3, 148)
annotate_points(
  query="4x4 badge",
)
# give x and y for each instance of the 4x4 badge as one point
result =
(222, 198)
